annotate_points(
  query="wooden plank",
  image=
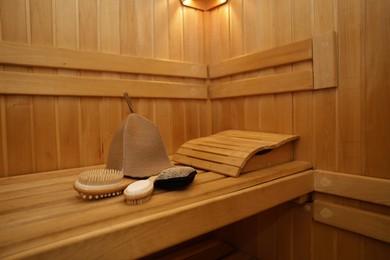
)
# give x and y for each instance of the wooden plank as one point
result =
(374, 190)
(27, 55)
(351, 89)
(116, 226)
(44, 133)
(303, 102)
(229, 160)
(276, 138)
(286, 54)
(377, 94)
(68, 113)
(325, 60)
(206, 142)
(276, 83)
(325, 129)
(355, 220)
(38, 84)
(19, 135)
(208, 165)
(215, 150)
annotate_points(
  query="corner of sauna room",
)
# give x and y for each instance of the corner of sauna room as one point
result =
(281, 107)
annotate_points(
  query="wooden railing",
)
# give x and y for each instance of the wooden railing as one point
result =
(319, 51)
(65, 85)
(358, 220)
(28, 55)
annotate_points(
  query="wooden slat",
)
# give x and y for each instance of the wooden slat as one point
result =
(275, 83)
(208, 165)
(286, 54)
(374, 190)
(110, 227)
(215, 150)
(275, 138)
(38, 84)
(205, 142)
(325, 60)
(201, 152)
(27, 55)
(231, 142)
(228, 160)
(355, 220)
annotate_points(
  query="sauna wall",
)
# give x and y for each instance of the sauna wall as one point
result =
(343, 129)
(48, 132)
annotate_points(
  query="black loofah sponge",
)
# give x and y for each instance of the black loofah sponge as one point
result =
(175, 178)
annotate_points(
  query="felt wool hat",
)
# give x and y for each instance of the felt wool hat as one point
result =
(137, 148)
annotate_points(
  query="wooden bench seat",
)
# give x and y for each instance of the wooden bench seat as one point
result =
(40, 214)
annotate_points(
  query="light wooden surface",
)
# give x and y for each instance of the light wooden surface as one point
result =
(49, 85)
(362, 206)
(359, 221)
(325, 60)
(41, 216)
(80, 38)
(286, 54)
(343, 130)
(27, 55)
(233, 152)
(270, 84)
(374, 190)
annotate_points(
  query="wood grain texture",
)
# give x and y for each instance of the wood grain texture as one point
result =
(295, 52)
(44, 34)
(325, 60)
(98, 227)
(276, 83)
(343, 130)
(38, 84)
(364, 222)
(374, 190)
(28, 55)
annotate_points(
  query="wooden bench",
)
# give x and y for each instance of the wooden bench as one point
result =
(42, 217)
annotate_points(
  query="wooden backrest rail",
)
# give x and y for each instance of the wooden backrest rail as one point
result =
(56, 85)
(29, 55)
(364, 222)
(320, 51)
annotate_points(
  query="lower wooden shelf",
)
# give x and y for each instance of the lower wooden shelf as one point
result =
(41, 216)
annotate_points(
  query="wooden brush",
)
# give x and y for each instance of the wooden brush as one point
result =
(172, 178)
(100, 183)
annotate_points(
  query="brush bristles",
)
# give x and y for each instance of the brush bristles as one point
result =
(100, 177)
(99, 183)
(138, 201)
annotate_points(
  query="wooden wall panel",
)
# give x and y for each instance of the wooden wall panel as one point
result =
(302, 27)
(339, 128)
(377, 93)
(343, 129)
(75, 131)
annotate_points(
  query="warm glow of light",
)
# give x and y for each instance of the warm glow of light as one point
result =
(203, 4)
